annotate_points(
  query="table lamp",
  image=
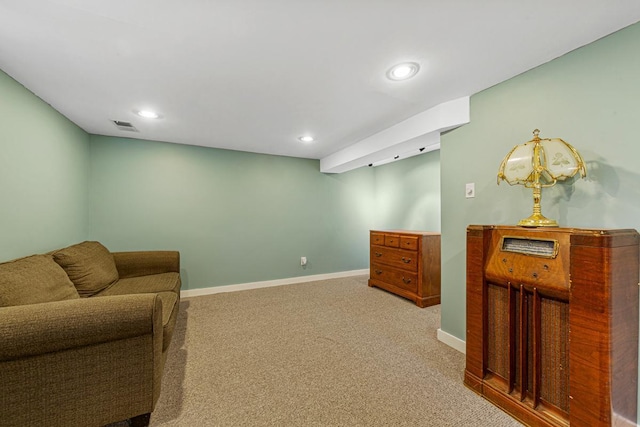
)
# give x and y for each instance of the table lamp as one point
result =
(537, 164)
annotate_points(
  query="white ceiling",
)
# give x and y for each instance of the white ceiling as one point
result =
(253, 75)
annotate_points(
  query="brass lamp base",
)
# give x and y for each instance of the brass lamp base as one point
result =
(538, 220)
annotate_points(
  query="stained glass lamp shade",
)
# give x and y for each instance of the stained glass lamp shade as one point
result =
(537, 164)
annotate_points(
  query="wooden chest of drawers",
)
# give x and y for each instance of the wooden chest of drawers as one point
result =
(406, 263)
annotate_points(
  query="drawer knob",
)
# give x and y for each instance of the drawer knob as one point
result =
(406, 281)
(378, 271)
(406, 260)
(378, 254)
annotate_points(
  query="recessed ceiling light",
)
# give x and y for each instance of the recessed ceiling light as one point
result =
(148, 114)
(403, 71)
(306, 138)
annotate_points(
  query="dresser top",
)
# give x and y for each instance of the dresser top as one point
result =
(413, 232)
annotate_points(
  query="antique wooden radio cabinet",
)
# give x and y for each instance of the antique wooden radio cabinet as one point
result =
(552, 323)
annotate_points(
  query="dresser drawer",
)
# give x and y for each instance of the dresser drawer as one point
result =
(377, 239)
(399, 258)
(399, 278)
(409, 242)
(392, 240)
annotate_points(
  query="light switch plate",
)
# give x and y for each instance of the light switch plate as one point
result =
(470, 190)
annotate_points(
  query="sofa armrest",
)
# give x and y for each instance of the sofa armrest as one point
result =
(28, 330)
(89, 361)
(143, 263)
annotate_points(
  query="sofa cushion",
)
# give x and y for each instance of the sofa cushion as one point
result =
(153, 283)
(89, 265)
(32, 280)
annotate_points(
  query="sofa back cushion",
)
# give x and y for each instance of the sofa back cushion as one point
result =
(89, 265)
(32, 280)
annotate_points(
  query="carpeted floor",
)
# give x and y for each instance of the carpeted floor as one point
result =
(329, 353)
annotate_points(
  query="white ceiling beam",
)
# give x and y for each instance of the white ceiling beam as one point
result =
(420, 131)
(414, 151)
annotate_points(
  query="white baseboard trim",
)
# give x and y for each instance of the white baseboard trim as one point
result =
(269, 283)
(619, 420)
(451, 341)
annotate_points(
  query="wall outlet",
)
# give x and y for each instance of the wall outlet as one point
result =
(303, 260)
(470, 190)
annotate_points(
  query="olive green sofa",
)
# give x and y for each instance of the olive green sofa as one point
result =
(84, 335)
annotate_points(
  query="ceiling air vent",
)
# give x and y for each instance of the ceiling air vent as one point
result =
(124, 126)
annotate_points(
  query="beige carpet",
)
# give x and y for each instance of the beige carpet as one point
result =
(329, 353)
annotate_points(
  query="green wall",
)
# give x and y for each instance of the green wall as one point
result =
(590, 98)
(235, 217)
(407, 193)
(44, 173)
